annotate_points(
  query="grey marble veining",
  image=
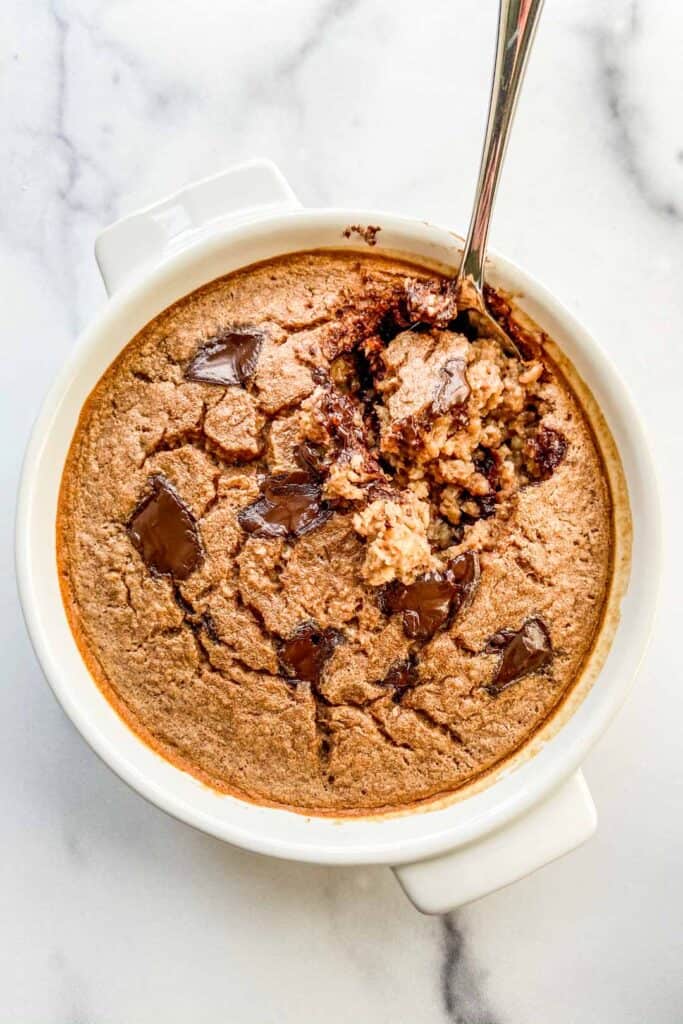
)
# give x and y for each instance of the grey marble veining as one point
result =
(614, 43)
(462, 989)
(111, 911)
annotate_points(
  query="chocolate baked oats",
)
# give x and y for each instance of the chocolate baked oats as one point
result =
(323, 547)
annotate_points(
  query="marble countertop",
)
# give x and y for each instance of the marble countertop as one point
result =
(112, 911)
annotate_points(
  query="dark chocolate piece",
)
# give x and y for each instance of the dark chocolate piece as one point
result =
(228, 359)
(431, 302)
(549, 449)
(303, 655)
(164, 531)
(488, 464)
(290, 505)
(343, 420)
(402, 676)
(434, 599)
(524, 651)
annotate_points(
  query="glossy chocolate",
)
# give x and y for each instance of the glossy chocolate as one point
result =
(164, 531)
(524, 651)
(434, 599)
(402, 676)
(228, 359)
(290, 505)
(303, 655)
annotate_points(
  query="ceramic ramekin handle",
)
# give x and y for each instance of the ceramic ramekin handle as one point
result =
(562, 822)
(245, 192)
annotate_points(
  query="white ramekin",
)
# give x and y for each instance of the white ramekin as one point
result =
(446, 854)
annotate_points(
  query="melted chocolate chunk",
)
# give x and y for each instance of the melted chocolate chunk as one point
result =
(431, 302)
(165, 533)
(452, 388)
(488, 464)
(290, 505)
(526, 650)
(402, 676)
(303, 655)
(311, 458)
(228, 359)
(410, 431)
(343, 420)
(349, 430)
(549, 449)
(434, 599)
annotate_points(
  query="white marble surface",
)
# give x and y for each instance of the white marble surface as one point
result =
(109, 910)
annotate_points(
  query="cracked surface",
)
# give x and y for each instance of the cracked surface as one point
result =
(324, 652)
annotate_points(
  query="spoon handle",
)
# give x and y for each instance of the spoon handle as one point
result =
(517, 21)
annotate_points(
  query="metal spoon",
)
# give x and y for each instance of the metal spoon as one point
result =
(517, 21)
